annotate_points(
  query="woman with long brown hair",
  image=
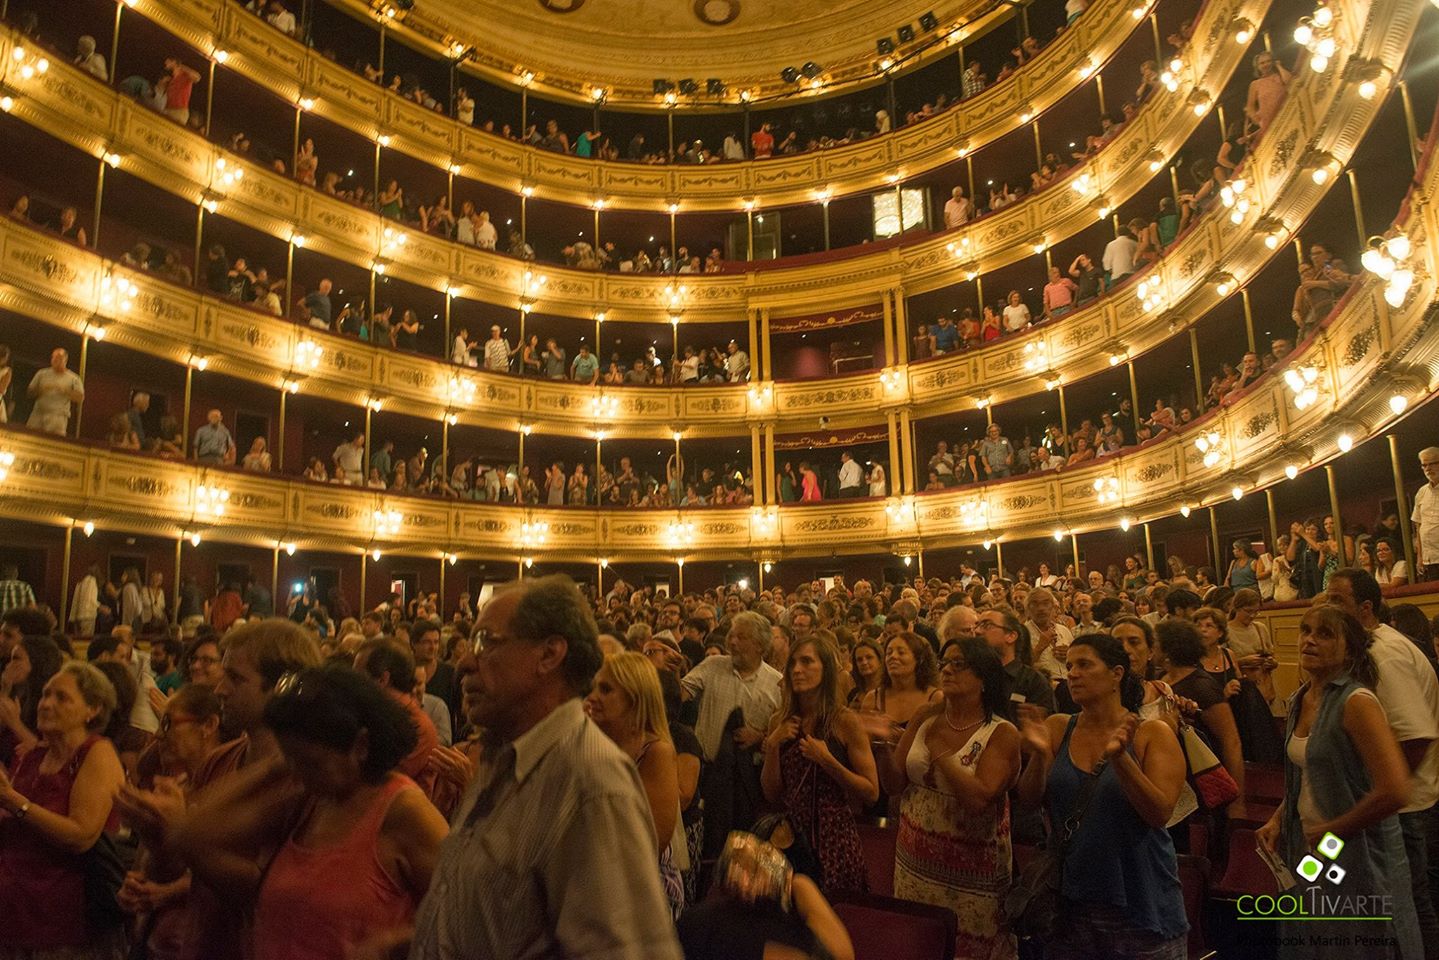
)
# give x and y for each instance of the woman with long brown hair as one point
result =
(818, 764)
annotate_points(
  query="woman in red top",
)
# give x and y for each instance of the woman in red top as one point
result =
(361, 821)
(52, 811)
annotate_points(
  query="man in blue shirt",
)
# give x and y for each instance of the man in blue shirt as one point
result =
(213, 443)
(946, 336)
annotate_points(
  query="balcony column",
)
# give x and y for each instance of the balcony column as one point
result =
(769, 467)
(114, 55)
(999, 558)
(1198, 376)
(756, 462)
(200, 239)
(1074, 550)
(1214, 539)
(906, 453)
(175, 590)
(1344, 557)
(1148, 547)
(1274, 520)
(1401, 505)
(280, 434)
(887, 309)
(1358, 210)
(766, 368)
(755, 346)
(901, 325)
(1099, 89)
(274, 574)
(185, 410)
(99, 200)
(824, 206)
(1134, 401)
(1248, 319)
(295, 139)
(364, 577)
(210, 97)
(365, 463)
(1038, 147)
(1412, 128)
(1064, 419)
(65, 562)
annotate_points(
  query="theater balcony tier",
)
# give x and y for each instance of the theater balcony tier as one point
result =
(77, 109)
(1320, 125)
(1368, 351)
(294, 72)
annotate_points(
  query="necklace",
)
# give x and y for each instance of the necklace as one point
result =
(967, 726)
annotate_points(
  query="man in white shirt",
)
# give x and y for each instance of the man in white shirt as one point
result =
(460, 352)
(349, 460)
(732, 148)
(85, 602)
(486, 236)
(736, 364)
(1119, 255)
(54, 389)
(1084, 622)
(91, 62)
(1426, 516)
(497, 351)
(957, 209)
(280, 18)
(1051, 639)
(741, 680)
(1409, 693)
(851, 476)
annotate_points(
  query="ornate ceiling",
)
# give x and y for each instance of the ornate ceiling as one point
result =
(632, 42)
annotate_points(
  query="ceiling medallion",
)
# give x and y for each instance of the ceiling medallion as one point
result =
(716, 13)
(562, 6)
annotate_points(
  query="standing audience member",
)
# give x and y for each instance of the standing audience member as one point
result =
(1426, 517)
(1345, 775)
(55, 389)
(817, 763)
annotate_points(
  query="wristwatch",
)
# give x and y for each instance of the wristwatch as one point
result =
(23, 809)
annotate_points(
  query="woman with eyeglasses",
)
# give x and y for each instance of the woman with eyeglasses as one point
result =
(818, 764)
(955, 766)
(1119, 776)
(189, 732)
(358, 819)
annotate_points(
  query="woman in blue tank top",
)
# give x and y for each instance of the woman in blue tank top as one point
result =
(1120, 880)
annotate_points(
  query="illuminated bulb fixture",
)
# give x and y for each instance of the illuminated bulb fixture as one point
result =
(387, 522)
(672, 207)
(527, 429)
(455, 169)
(1237, 492)
(194, 538)
(113, 159)
(7, 103)
(392, 239)
(298, 239)
(603, 406)
(1051, 381)
(599, 204)
(1169, 76)
(1036, 355)
(374, 403)
(1039, 246)
(307, 354)
(1388, 259)
(1140, 11)
(227, 175)
(962, 150)
(529, 562)
(1184, 511)
(457, 49)
(1243, 30)
(289, 548)
(534, 534)
(745, 96)
(452, 418)
(761, 394)
(452, 558)
(210, 500)
(88, 529)
(959, 249)
(1026, 113)
(1058, 535)
(676, 295)
(907, 559)
(889, 378)
(1084, 183)
(823, 195)
(290, 386)
(1273, 231)
(1087, 67)
(1125, 523)
(376, 554)
(525, 78)
(1106, 490)
(221, 55)
(307, 104)
(1398, 403)
(30, 66)
(671, 98)
(211, 205)
(604, 563)
(1370, 75)
(7, 460)
(117, 295)
(1302, 381)
(1151, 292)
(461, 390)
(1199, 102)
(1233, 195)
(680, 532)
(527, 190)
(988, 543)
(1322, 167)
(1346, 442)
(974, 512)
(1225, 284)
(383, 139)
(600, 317)
(1291, 470)
(1156, 161)
(1102, 207)
(1207, 443)
(885, 64)
(534, 283)
(1315, 33)
(748, 203)
(199, 363)
(981, 402)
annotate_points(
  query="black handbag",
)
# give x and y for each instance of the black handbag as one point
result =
(1031, 906)
(106, 864)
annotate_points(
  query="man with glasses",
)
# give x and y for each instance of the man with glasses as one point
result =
(1426, 516)
(1322, 281)
(552, 849)
(958, 623)
(1008, 637)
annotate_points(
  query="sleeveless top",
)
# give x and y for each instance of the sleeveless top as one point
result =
(916, 765)
(1115, 858)
(1242, 575)
(317, 903)
(42, 886)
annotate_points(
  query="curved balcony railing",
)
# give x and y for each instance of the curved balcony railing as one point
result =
(292, 71)
(76, 108)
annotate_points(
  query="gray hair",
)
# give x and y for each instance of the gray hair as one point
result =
(95, 689)
(553, 607)
(949, 623)
(1039, 595)
(757, 628)
(1431, 452)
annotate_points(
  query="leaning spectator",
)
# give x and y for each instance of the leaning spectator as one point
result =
(89, 60)
(181, 83)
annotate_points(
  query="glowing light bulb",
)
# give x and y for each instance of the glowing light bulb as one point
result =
(1291, 470)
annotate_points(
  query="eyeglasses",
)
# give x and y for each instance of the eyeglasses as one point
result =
(167, 721)
(488, 641)
(206, 660)
(953, 663)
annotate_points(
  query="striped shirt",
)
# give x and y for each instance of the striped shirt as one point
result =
(15, 594)
(551, 855)
(720, 688)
